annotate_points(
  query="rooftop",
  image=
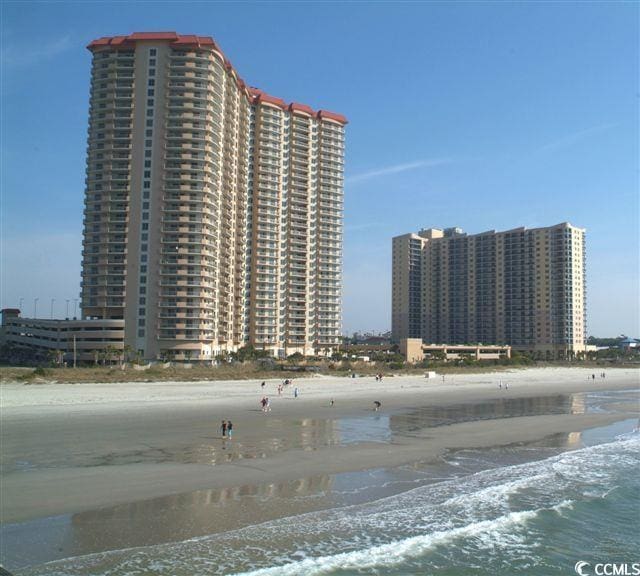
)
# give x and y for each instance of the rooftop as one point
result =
(254, 95)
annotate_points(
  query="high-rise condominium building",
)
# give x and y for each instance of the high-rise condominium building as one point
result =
(213, 211)
(521, 287)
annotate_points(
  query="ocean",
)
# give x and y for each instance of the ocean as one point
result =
(533, 509)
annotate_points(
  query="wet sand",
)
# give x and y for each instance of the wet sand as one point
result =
(105, 454)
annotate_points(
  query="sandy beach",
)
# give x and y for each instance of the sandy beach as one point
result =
(79, 449)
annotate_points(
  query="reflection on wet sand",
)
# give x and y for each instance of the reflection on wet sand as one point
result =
(311, 434)
(192, 514)
(188, 515)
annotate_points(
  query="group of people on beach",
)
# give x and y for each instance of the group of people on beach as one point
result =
(378, 377)
(226, 428)
(266, 404)
(593, 376)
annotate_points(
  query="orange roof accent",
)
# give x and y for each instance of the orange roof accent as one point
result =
(332, 116)
(255, 95)
(272, 100)
(188, 39)
(153, 36)
(295, 107)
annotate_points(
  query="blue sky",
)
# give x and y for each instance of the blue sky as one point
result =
(479, 115)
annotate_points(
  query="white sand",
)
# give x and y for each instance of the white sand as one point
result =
(92, 445)
(33, 398)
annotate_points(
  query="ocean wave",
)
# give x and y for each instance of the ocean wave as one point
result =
(484, 510)
(396, 553)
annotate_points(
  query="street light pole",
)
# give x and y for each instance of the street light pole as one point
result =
(67, 314)
(20, 304)
(75, 303)
(52, 301)
(35, 307)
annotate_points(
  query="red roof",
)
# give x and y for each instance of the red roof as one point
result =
(257, 96)
(154, 36)
(333, 116)
(295, 107)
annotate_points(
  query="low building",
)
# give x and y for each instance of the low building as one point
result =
(629, 344)
(414, 351)
(60, 340)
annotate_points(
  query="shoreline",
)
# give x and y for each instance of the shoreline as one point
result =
(73, 450)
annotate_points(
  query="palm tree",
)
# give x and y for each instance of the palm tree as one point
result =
(127, 352)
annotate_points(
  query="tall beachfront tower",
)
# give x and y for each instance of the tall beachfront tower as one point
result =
(523, 287)
(213, 211)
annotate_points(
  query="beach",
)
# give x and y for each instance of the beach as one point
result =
(89, 468)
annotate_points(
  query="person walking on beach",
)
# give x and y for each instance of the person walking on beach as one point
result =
(223, 428)
(377, 405)
(230, 429)
(331, 402)
(506, 386)
(263, 403)
(263, 385)
(295, 392)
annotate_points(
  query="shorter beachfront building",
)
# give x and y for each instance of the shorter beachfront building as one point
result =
(525, 288)
(415, 350)
(60, 341)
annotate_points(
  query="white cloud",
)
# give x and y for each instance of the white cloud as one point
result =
(428, 163)
(575, 137)
(20, 57)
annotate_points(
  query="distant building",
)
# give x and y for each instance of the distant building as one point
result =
(522, 287)
(629, 344)
(59, 340)
(414, 350)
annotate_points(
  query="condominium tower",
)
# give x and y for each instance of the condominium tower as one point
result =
(213, 211)
(523, 287)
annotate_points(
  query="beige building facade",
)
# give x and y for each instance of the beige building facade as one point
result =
(522, 287)
(213, 211)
